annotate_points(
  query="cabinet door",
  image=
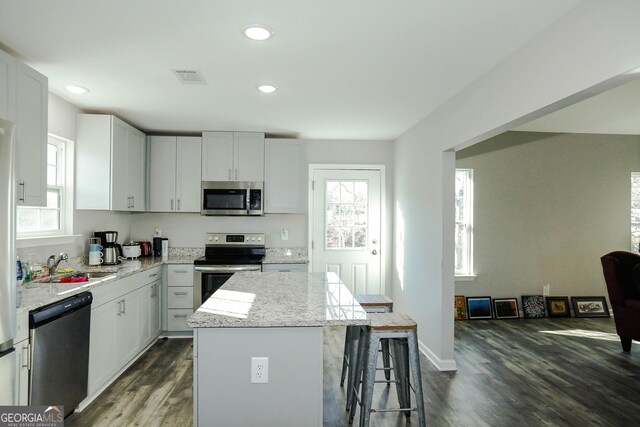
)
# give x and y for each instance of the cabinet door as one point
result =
(93, 161)
(129, 326)
(248, 156)
(7, 87)
(31, 136)
(120, 200)
(285, 176)
(143, 303)
(154, 310)
(188, 174)
(136, 172)
(162, 173)
(217, 156)
(103, 360)
(21, 389)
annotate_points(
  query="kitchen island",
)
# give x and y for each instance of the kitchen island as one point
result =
(273, 315)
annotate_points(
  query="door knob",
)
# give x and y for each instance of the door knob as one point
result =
(374, 252)
(374, 241)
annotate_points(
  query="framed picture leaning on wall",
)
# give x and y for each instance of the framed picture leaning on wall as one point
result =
(506, 308)
(558, 307)
(590, 307)
(479, 308)
(533, 306)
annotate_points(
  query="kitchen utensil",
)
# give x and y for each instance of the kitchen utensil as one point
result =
(165, 248)
(95, 241)
(131, 250)
(145, 249)
(111, 255)
(95, 258)
(95, 248)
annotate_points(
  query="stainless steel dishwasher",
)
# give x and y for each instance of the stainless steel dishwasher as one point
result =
(59, 336)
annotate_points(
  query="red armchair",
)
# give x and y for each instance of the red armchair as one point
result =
(623, 285)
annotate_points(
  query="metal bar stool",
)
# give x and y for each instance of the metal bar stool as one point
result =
(370, 304)
(403, 332)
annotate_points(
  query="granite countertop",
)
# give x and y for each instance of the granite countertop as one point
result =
(39, 293)
(278, 299)
(286, 256)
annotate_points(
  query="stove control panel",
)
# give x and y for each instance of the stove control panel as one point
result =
(235, 239)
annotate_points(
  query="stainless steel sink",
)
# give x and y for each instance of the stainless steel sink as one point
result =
(78, 274)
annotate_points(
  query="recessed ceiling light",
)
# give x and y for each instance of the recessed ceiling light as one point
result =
(77, 89)
(258, 33)
(267, 88)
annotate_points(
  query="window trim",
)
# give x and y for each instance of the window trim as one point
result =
(65, 234)
(469, 274)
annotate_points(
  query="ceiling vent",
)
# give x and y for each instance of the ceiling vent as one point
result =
(189, 76)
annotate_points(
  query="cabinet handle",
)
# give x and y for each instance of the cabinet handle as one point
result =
(236, 174)
(153, 275)
(178, 204)
(133, 202)
(124, 307)
(180, 271)
(180, 293)
(171, 204)
(229, 174)
(180, 315)
(26, 359)
(23, 191)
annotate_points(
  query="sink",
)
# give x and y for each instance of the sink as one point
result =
(68, 278)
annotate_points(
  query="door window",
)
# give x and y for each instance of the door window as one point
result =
(347, 210)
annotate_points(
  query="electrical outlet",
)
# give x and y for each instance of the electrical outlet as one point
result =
(259, 370)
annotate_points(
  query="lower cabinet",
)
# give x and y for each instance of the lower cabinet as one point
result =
(179, 292)
(125, 318)
(22, 349)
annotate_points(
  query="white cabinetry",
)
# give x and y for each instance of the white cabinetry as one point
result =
(7, 86)
(122, 325)
(109, 164)
(174, 173)
(285, 267)
(23, 100)
(232, 156)
(22, 367)
(179, 297)
(285, 176)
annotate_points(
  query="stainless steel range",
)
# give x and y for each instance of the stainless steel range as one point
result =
(224, 255)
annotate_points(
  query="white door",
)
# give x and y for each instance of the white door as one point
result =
(346, 227)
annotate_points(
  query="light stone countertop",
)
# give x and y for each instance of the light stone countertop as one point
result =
(39, 293)
(278, 299)
(286, 256)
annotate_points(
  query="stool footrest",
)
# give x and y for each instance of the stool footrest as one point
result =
(394, 410)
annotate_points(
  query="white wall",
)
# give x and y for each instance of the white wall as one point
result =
(546, 208)
(588, 46)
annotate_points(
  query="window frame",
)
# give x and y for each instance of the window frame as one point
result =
(65, 184)
(467, 199)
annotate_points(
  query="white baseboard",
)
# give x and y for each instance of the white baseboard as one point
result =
(441, 365)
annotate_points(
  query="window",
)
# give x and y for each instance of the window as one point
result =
(464, 222)
(346, 217)
(48, 220)
(635, 211)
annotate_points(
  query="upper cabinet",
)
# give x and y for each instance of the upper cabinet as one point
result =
(174, 173)
(23, 100)
(232, 156)
(285, 176)
(110, 164)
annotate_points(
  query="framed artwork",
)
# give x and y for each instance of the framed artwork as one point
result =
(459, 308)
(506, 308)
(590, 306)
(533, 306)
(479, 308)
(558, 307)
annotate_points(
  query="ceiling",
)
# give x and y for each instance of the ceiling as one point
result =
(356, 69)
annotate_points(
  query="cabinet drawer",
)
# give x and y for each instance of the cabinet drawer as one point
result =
(180, 275)
(285, 267)
(177, 319)
(180, 297)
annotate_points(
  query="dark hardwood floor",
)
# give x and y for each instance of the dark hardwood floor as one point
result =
(535, 372)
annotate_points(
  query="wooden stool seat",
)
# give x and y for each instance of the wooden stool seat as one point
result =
(374, 301)
(391, 322)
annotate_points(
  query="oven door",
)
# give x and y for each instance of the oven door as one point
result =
(209, 278)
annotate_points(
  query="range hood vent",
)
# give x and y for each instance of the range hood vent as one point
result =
(189, 76)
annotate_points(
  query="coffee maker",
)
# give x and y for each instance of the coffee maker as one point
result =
(111, 250)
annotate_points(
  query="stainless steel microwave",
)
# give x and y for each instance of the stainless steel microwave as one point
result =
(231, 198)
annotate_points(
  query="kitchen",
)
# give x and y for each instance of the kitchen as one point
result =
(189, 233)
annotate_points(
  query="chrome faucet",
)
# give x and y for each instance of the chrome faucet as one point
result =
(53, 264)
